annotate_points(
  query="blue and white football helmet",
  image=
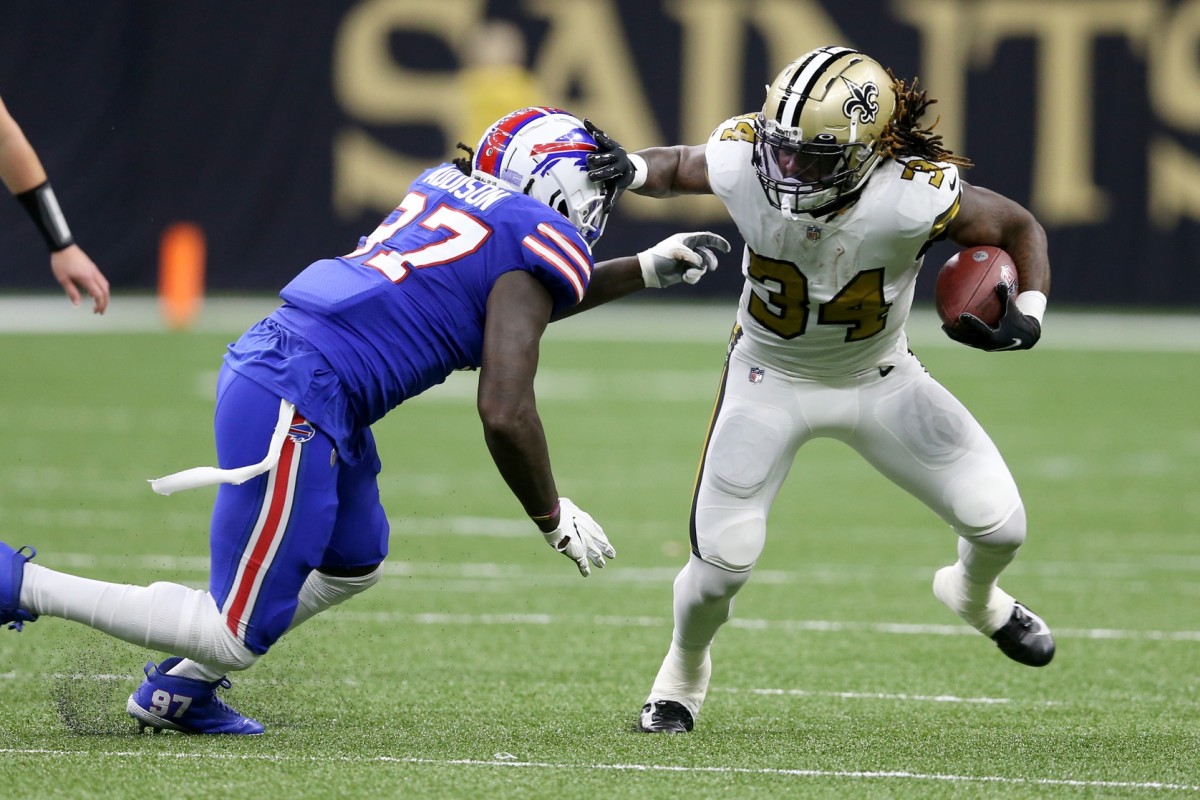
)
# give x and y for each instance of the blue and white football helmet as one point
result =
(542, 152)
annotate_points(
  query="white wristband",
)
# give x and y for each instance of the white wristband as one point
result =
(640, 171)
(1032, 304)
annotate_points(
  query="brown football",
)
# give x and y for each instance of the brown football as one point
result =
(966, 284)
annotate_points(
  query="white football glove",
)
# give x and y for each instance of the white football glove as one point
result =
(579, 538)
(682, 257)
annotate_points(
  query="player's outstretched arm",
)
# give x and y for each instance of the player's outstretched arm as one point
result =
(672, 171)
(682, 258)
(518, 311)
(654, 172)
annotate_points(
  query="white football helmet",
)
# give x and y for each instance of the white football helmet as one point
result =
(817, 138)
(542, 152)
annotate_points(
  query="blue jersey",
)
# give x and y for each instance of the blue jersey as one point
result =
(406, 308)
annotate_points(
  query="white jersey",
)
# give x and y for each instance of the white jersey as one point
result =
(829, 297)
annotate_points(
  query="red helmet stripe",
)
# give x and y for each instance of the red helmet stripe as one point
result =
(562, 147)
(495, 142)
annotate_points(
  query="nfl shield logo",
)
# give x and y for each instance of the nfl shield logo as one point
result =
(814, 233)
(756, 374)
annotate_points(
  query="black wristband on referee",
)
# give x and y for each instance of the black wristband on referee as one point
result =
(42, 206)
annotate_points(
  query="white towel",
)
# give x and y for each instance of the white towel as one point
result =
(196, 477)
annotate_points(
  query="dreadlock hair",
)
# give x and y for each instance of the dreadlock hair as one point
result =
(464, 162)
(904, 137)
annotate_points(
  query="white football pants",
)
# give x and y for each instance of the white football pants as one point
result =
(902, 421)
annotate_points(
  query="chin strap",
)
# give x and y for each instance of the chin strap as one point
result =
(786, 206)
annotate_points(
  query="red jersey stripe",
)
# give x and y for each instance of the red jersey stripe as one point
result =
(584, 262)
(556, 260)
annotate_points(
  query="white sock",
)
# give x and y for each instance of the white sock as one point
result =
(196, 671)
(320, 592)
(703, 603)
(983, 606)
(162, 616)
(683, 677)
(969, 587)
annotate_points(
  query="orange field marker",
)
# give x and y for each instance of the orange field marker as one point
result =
(181, 256)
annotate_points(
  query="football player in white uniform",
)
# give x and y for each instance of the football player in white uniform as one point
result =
(838, 192)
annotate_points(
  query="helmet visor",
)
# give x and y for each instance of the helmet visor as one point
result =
(810, 166)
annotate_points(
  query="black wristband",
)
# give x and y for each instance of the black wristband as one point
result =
(42, 206)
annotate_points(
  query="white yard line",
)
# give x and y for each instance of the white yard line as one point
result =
(803, 572)
(126, 314)
(505, 760)
(244, 679)
(907, 698)
(771, 625)
(481, 573)
(668, 320)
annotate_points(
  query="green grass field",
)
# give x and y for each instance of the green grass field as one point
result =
(482, 665)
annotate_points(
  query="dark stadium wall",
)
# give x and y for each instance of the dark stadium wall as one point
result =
(287, 130)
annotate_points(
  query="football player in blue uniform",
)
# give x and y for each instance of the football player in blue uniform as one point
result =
(465, 273)
(838, 192)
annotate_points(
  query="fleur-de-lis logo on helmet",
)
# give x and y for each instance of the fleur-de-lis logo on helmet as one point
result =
(863, 101)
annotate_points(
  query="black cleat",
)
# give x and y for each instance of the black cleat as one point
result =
(1025, 638)
(665, 716)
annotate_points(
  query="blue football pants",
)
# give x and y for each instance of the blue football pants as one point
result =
(310, 511)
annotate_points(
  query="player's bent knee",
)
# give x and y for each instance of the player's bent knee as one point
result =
(216, 646)
(1008, 536)
(985, 505)
(235, 657)
(326, 587)
(729, 539)
(710, 583)
(351, 572)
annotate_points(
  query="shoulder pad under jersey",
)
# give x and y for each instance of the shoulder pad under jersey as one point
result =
(556, 254)
(727, 153)
(929, 190)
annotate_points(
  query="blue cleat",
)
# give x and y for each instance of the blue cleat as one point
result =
(169, 703)
(12, 574)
